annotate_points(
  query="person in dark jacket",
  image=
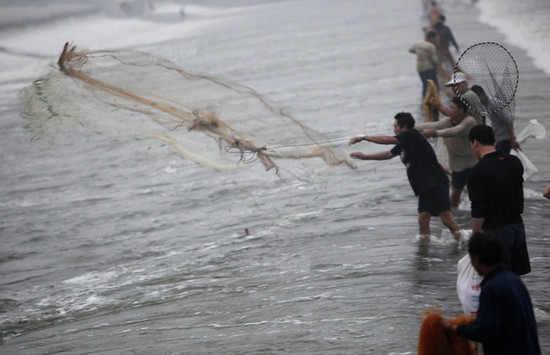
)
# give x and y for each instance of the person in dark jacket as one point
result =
(505, 323)
(495, 188)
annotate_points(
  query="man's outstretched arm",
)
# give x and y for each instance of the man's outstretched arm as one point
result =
(374, 139)
(377, 156)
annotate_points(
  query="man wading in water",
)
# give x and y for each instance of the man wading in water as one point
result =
(427, 178)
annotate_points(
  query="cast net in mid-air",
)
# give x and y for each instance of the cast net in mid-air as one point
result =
(137, 95)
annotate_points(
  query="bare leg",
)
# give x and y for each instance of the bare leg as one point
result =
(448, 220)
(424, 223)
(455, 197)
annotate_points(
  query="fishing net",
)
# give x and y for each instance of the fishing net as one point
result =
(491, 66)
(128, 93)
(431, 102)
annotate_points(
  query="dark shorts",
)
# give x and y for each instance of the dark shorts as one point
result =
(514, 248)
(459, 179)
(434, 200)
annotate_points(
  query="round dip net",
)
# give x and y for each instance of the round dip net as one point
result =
(492, 67)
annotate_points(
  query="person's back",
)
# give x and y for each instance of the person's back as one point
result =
(496, 189)
(507, 321)
(423, 169)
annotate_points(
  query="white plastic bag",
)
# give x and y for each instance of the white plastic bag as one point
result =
(533, 130)
(529, 169)
(468, 285)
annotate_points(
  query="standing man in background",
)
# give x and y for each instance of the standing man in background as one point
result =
(446, 39)
(426, 59)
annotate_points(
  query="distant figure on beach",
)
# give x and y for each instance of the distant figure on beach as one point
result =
(446, 39)
(454, 130)
(426, 176)
(460, 87)
(502, 121)
(426, 7)
(495, 188)
(435, 12)
(426, 59)
(505, 321)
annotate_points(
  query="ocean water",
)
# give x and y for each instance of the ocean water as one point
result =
(109, 248)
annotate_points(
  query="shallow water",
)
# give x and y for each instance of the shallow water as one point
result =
(108, 248)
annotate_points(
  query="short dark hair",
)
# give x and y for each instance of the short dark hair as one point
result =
(486, 246)
(460, 103)
(405, 119)
(477, 89)
(483, 134)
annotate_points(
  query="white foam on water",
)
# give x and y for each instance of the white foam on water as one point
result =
(525, 24)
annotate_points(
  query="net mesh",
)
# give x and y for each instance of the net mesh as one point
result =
(491, 66)
(136, 94)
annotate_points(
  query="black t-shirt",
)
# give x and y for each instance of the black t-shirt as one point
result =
(495, 187)
(423, 169)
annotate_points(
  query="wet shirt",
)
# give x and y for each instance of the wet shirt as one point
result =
(495, 188)
(423, 169)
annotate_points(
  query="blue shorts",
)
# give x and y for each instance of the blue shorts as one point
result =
(434, 200)
(459, 179)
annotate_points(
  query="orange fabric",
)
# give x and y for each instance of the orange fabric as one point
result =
(434, 340)
(431, 102)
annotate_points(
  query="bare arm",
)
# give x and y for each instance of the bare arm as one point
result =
(546, 192)
(377, 156)
(374, 139)
(429, 129)
(463, 128)
(513, 142)
(477, 224)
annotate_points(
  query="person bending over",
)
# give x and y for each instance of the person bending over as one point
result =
(426, 176)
